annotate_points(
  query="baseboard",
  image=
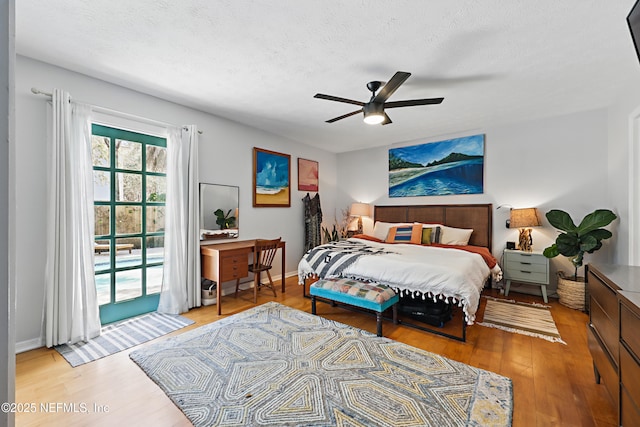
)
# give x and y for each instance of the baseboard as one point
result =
(27, 345)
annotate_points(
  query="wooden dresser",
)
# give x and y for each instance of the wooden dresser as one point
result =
(613, 333)
(629, 358)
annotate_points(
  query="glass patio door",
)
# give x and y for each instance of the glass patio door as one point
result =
(129, 174)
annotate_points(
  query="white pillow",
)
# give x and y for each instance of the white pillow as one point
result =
(455, 236)
(452, 235)
(381, 229)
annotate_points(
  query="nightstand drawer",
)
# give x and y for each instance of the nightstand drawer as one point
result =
(513, 266)
(526, 276)
(525, 258)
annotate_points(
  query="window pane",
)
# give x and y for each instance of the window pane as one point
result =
(128, 284)
(103, 286)
(103, 220)
(128, 155)
(128, 253)
(155, 249)
(156, 188)
(102, 260)
(100, 152)
(128, 187)
(154, 280)
(101, 186)
(156, 159)
(155, 219)
(128, 219)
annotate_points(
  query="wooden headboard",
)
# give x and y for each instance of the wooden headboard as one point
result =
(479, 217)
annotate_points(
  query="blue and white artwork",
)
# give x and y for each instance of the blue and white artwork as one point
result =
(454, 166)
(271, 178)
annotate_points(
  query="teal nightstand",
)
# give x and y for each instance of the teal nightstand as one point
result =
(526, 267)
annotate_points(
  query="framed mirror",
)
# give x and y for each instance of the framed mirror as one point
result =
(219, 211)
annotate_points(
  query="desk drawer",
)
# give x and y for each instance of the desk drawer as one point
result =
(234, 265)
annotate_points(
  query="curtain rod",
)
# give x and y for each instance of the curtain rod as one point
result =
(37, 91)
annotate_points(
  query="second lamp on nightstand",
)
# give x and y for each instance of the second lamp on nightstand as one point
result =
(526, 267)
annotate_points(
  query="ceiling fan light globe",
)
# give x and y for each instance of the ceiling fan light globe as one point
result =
(373, 113)
(373, 118)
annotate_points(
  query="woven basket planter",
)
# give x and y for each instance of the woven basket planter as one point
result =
(571, 292)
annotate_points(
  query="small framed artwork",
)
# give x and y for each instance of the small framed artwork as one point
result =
(307, 175)
(271, 179)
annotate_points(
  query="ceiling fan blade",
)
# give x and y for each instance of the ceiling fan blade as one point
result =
(413, 102)
(387, 120)
(344, 116)
(391, 86)
(338, 99)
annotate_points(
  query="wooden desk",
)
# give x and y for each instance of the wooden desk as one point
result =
(223, 262)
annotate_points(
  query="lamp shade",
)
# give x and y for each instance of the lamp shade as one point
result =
(522, 218)
(360, 209)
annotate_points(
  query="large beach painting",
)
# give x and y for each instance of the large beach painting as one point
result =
(454, 166)
(271, 177)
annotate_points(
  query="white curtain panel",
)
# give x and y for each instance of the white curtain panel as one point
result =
(71, 307)
(181, 277)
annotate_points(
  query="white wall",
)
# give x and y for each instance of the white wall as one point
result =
(225, 158)
(623, 170)
(572, 162)
(560, 162)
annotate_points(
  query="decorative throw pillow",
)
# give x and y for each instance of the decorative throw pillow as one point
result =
(435, 232)
(455, 236)
(405, 234)
(381, 229)
(426, 236)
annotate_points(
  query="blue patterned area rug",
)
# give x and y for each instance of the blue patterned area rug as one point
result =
(120, 336)
(275, 365)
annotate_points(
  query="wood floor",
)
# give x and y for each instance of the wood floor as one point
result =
(553, 383)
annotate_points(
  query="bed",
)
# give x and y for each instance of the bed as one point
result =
(437, 272)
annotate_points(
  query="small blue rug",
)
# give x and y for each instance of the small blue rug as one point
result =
(121, 336)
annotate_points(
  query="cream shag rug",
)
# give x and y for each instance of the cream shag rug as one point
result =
(528, 319)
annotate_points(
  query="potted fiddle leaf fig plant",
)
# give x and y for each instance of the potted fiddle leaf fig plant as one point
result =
(573, 242)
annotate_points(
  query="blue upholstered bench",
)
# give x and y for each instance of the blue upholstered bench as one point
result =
(358, 294)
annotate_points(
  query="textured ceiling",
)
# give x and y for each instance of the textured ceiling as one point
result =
(261, 62)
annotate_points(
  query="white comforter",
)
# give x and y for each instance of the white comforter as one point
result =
(456, 275)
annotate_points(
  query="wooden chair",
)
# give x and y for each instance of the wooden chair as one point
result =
(264, 252)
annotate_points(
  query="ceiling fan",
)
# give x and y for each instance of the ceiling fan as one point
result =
(374, 109)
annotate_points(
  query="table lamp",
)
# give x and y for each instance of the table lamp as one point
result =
(360, 210)
(524, 219)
